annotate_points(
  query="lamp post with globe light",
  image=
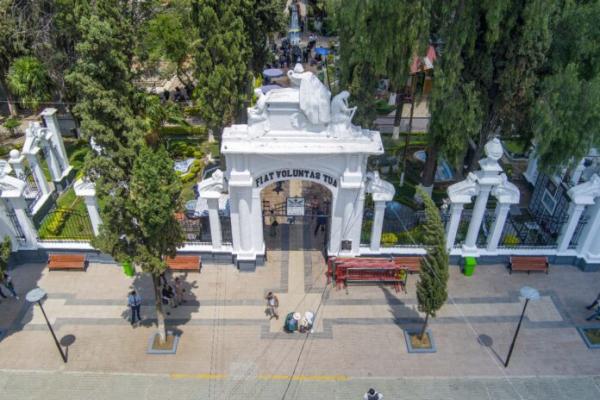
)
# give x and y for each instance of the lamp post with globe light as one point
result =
(36, 296)
(528, 293)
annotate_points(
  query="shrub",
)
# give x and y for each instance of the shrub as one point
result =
(194, 171)
(511, 240)
(389, 239)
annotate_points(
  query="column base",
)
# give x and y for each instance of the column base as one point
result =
(65, 181)
(470, 251)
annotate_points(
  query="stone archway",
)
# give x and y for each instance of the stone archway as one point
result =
(297, 133)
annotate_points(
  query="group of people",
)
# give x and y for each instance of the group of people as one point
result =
(6, 281)
(171, 293)
(294, 321)
(287, 55)
(171, 296)
(179, 95)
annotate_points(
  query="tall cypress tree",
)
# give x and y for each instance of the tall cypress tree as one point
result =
(221, 61)
(453, 103)
(433, 279)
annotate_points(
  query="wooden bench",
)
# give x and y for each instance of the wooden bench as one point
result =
(411, 264)
(394, 275)
(184, 263)
(524, 263)
(70, 262)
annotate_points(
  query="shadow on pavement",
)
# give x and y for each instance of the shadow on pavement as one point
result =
(487, 341)
(404, 316)
(16, 313)
(174, 316)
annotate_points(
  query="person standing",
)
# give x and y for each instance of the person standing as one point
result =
(372, 394)
(7, 282)
(178, 291)
(166, 297)
(321, 221)
(595, 304)
(272, 305)
(135, 303)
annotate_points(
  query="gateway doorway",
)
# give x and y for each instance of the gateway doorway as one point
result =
(296, 215)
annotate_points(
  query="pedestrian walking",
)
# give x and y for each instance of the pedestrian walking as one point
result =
(272, 305)
(179, 291)
(372, 394)
(7, 282)
(595, 303)
(135, 303)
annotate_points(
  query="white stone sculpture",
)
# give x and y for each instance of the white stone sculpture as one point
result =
(314, 96)
(258, 117)
(380, 189)
(213, 184)
(341, 116)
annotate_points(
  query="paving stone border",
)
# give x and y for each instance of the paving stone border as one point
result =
(581, 330)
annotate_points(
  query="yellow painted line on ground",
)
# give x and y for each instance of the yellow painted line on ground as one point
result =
(337, 378)
(197, 376)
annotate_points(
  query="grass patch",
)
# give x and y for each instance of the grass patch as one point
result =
(593, 335)
(183, 130)
(68, 221)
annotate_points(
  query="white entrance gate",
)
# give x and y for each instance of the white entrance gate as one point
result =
(297, 133)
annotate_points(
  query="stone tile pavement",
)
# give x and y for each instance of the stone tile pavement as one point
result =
(229, 349)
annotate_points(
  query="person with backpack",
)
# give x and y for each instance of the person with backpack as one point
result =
(372, 394)
(596, 305)
(134, 301)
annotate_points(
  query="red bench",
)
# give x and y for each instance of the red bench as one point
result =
(411, 264)
(526, 263)
(69, 262)
(184, 263)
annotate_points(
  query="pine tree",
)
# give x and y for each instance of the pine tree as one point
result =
(221, 62)
(433, 278)
(261, 19)
(153, 201)
(136, 185)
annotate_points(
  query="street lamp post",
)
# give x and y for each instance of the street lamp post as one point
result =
(36, 296)
(528, 293)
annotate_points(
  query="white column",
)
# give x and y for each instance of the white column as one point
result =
(53, 165)
(257, 223)
(498, 226)
(38, 173)
(568, 229)
(91, 204)
(589, 241)
(453, 223)
(243, 208)
(16, 162)
(20, 206)
(377, 227)
(215, 223)
(477, 217)
(356, 222)
(51, 120)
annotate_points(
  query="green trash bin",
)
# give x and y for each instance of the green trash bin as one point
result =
(128, 269)
(470, 264)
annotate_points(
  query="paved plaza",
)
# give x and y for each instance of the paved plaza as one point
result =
(229, 348)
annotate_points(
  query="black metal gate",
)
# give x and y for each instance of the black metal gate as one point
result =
(293, 232)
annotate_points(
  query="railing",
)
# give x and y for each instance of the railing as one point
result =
(530, 231)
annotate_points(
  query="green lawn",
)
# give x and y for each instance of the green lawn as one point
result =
(69, 220)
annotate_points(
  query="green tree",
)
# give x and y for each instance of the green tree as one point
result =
(170, 36)
(13, 44)
(566, 115)
(507, 43)
(261, 19)
(356, 68)
(396, 31)
(453, 103)
(154, 199)
(28, 78)
(433, 279)
(136, 184)
(221, 62)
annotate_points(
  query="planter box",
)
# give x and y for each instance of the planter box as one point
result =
(170, 347)
(586, 339)
(409, 347)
